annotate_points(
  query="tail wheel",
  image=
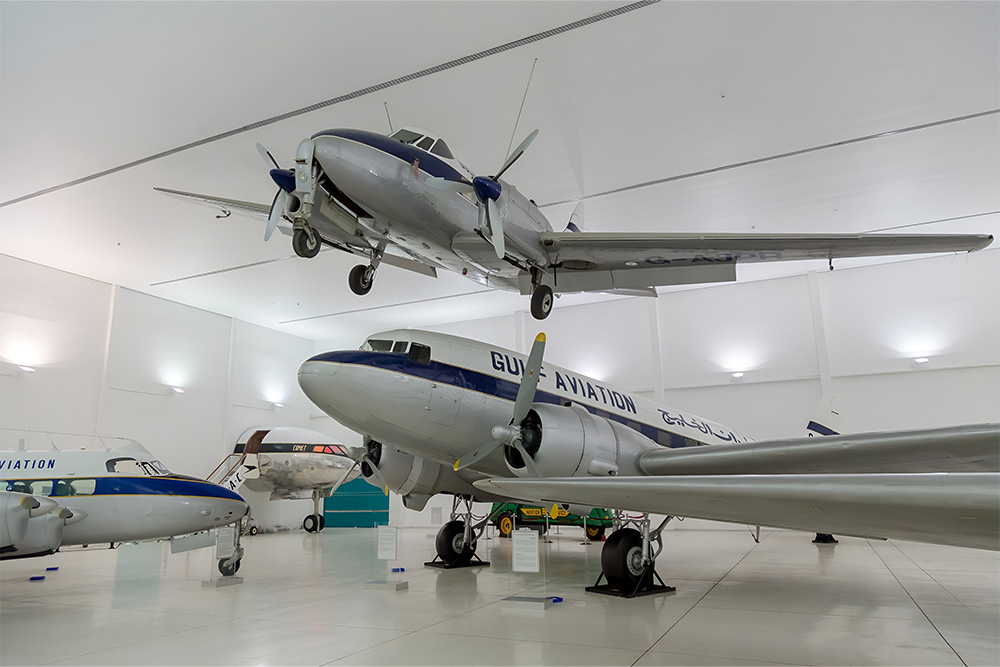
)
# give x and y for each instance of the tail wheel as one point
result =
(451, 546)
(506, 524)
(595, 533)
(621, 559)
(360, 279)
(305, 244)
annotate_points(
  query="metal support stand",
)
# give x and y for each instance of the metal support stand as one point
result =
(649, 581)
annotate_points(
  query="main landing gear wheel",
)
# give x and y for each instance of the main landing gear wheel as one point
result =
(314, 523)
(621, 559)
(451, 546)
(541, 302)
(229, 570)
(505, 524)
(361, 279)
(595, 533)
(305, 244)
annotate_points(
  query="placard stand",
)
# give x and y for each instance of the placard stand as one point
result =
(385, 547)
(225, 547)
(525, 558)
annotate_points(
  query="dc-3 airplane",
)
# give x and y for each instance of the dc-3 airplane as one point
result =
(53, 498)
(443, 414)
(290, 464)
(405, 200)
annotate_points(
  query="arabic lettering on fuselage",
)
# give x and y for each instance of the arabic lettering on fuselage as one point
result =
(28, 464)
(505, 363)
(677, 419)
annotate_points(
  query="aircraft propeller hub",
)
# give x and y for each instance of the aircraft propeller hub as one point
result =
(505, 433)
(486, 188)
(284, 179)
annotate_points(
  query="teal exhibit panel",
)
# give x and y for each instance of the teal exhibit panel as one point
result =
(356, 504)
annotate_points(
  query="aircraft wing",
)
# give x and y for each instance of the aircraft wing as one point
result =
(602, 260)
(959, 509)
(974, 448)
(245, 208)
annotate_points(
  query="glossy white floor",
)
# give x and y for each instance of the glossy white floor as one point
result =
(304, 602)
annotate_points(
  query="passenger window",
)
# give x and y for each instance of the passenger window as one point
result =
(400, 346)
(19, 486)
(420, 354)
(425, 143)
(83, 487)
(441, 148)
(64, 488)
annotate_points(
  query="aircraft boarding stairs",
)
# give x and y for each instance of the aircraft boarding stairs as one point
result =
(238, 467)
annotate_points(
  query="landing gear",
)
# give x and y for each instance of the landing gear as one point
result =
(457, 540)
(305, 242)
(505, 524)
(362, 276)
(595, 533)
(628, 562)
(541, 302)
(228, 568)
(315, 522)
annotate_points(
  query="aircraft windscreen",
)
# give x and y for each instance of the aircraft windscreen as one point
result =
(377, 345)
(406, 136)
(441, 148)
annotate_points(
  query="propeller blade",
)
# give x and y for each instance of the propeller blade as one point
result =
(476, 454)
(518, 152)
(529, 463)
(376, 473)
(496, 228)
(526, 392)
(277, 209)
(266, 154)
(450, 185)
(347, 474)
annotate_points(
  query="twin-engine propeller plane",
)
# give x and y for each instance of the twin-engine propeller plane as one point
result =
(443, 414)
(53, 498)
(405, 200)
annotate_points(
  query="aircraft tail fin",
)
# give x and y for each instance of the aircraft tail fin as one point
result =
(827, 418)
(575, 223)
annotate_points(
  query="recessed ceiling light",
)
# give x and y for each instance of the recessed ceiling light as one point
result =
(26, 369)
(177, 390)
(921, 360)
(737, 375)
(278, 405)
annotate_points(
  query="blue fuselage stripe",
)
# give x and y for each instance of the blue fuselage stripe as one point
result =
(464, 378)
(429, 163)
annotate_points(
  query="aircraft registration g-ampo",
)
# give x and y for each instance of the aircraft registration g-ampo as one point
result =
(51, 498)
(442, 414)
(406, 200)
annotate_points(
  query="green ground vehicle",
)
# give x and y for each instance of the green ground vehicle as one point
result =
(509, 515)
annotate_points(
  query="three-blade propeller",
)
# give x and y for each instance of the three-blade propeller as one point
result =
(487, 190)
(510, 434)
(360, 456)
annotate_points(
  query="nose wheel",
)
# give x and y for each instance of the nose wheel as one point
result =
(541, 302)
(361, 279)
(305, 242)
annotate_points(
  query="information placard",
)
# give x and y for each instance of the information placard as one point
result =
(387, 543)
(525, 550)
(225, 542)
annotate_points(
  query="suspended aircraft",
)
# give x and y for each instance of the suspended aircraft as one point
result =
(54, 498)
(406, 200)
(290, 464)
(443, 414)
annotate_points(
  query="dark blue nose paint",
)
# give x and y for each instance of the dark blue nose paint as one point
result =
(284, 179)
(486, 188)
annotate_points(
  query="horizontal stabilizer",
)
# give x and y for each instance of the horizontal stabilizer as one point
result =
(958, 509)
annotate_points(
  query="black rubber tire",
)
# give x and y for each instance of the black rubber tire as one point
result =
(302, 245)
(541, 302)
(505, 524)
(361, 279)
(228, 571)
(322, 522)
(253, 530)
(595, 533)
(448, 542)
(621, 559)
(311, 523)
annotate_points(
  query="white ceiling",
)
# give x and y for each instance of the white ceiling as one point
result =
(651, 94)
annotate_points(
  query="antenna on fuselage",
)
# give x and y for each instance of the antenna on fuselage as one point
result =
(386, 104)
(518, 119)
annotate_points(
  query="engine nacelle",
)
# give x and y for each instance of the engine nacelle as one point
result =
(571, 442)
(417, 479)
(29, 526)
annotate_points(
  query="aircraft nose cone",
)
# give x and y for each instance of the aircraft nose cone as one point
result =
(486, 188)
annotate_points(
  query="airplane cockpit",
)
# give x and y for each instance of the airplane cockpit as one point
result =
(424, 141)
(129, 465)
(417, 352)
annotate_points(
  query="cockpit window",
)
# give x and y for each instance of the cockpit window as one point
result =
(441, 148)
(377, 345)
(420, 354)
(400, 346)
(425, 143)
(406, 136)
(130, 466)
